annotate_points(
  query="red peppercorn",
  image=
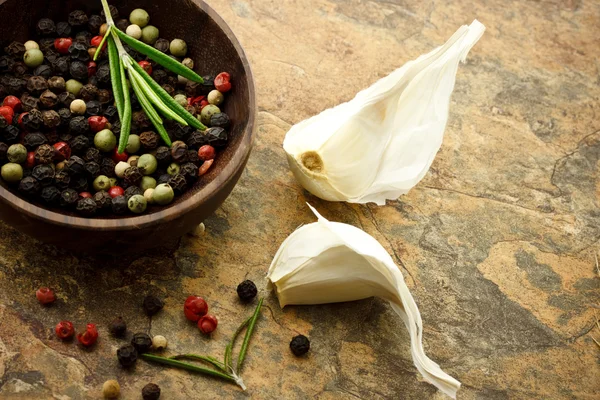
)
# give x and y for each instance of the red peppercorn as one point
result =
(30, 162)
(45, 295)
(204, 167)
(62, 45)
(206, 152)
(146, 66)
(96, 40)
(92, 67)
(195, 308)
(12, 102)
(119, 157)
(64, 330)
(222, 82)
(8, 113)
(116, 191)
(20, 120)
(89, 337)
(203, 104)
(192, 101)
(97, 123)
(85, 195)
(208, 324)
(63, 151)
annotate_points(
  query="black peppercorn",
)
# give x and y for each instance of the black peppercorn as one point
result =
(78, 18)
(83, 37)
(62, 65)
(163, 156)
(152, 305)
(15, 49)
(45, 27)
(107, 167)
(3, 151)
(50, 195)
(15, 86)
(79, 144)
(46, 44)
(141, 342)
(79, 52)
(80, 184)
(103, 74)
(44, 154)
(45, 71)
(140, 119)
(132, 191)
(247, 291)
(63, 29)
(132, 175)
(65, 116)
(119, 205)
(52, 137)
(192, 157)
(103, 200)
(164, 178)
(48, 99)
(169, 89)
(219, 120)
(3, 122)
(29, 102)
(114, 12)
(75, 166)
(51, 55)
(172, 81)
(179, 151)
(44, 174)
(178, 183)
(37, 84)
(192, 89)
(207, 86)
(29, 186)
(300, 345)
(217, 137)
(86, 207)
(135, 105)
(11, 134)
(92, 155)
(162, 45)
(93, 108)
(190, 172)
(104, 96)
(149, 140)
(92, 168)
(118, 327)
(78, 70)
(19, 68)
(127, 355)
(94, 23)
(79, 125)
(196, 140)
(51, 119)
(33, 140)
(180, 132)
(62, 180)
(88, 92)
(57, 84)
(160, 76)
(111, 113)
(151, 392)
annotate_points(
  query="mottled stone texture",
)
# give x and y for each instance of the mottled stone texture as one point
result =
(496, 243)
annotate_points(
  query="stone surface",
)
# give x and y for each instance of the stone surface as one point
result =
(496, 243)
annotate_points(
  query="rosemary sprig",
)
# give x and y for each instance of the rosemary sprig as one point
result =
(196, 357)
(229, 348)
(251, 324)
(99, 49)
(186, 366)
(115, 73)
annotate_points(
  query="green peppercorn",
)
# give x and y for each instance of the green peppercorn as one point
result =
(12, 172)
(150, 35)
(17, 153)
(188, 62)
(215, 97)
(105, 140)
(181, 99)
(120, 168)
(147, 164)
(178, 48)
(133, 161)
(173, 169)
(148, 182)
(207, 112)
(139, 17)
(73, 87)
(137, 204)
(148, 195)
(102, 182)
(133, 144)
(33, 58)
(134, 31)
(30, 44)
(113, 182)
(163, 194)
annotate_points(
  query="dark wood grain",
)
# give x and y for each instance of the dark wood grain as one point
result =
(214, 49)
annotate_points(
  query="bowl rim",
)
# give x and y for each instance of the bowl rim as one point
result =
(237, 161)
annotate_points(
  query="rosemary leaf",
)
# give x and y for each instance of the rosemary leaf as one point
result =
(229, 347)
(99, 49)
(159, 57)
(168, 100)
(251, 325)
(113, 59)
(196, 357)
(186, 366)
(126, 120)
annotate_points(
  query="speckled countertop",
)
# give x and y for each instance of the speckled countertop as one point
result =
(496, 243)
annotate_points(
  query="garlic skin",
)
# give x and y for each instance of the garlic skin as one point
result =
(330, 262)
(380, 144)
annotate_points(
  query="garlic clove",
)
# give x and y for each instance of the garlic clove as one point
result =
(330, 262)
(381, 143)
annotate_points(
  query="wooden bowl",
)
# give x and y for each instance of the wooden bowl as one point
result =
(214, 49)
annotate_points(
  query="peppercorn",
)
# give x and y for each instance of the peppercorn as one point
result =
(163, 194)
(66, 98)
(247, 291)
(62, 180)
(92, 168)
(50, 195)
(30, 161)
(118, 327)
(11, 172)
(20, 68)
(179, 183)
(78, 70)
(111, 389)
(63, 29)
(15, 86)
(132, 175)
(90, 336)
(45, 71)
(48, 99)
(94, 23)
(207, 324)
(151, 392)
(119, 205)
(152, 305)
(104, 96)
(205, 167)
(137, 203)
(3, 151)
(93, 108)
(107, 167)
(219, 120)
(142, 342)
(75, 166)
(132, 191)
(159, 75)
(79, 125)
(103, 200)
(86, 207)
(29, 102)
(33, 140)
(92, 67)
(194, 308)
(80, 184)
(162, 45)
(122, 24)
(61, 65)
(51, 119)
(51, 136)
(3, 123)
(78, 18)
(163, 179)
(217, 137)
(17, 153)
(173, 169)
(179, 151)
(114, 12)
(149, 140)
(44, 154)
(88, 92)
(215, 97)
(190, 172)
(6, 63)
(169, 89)
(207, 86)
(79, 144)
(102, 182)
(11, 133)
(62, 151)
(159, 343)
(103, 74)
(111, 113)
(196, 140)
(147, 182)
(64, 330)
(37, 84)
(83, 37)
(300, 345)
(45, 295)
(127, 355)
(45, 27)
(29, 186)
(15, 49)
(206, 152)
(115, 191)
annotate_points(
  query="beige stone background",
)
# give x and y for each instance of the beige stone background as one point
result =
(496, 243)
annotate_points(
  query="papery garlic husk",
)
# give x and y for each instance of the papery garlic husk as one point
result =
(330, 262)
(382, 143)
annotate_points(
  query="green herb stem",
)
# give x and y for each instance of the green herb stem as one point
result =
(154, 99)
(186, 366)
(229, 348)
(251, 324)
(99, 49)
(115, 73)
(196, 357)
(108, 15)
(126, 120)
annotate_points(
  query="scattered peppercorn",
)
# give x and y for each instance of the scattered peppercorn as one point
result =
(45, 295)
(195, 307)
(111, 389)
(142, 342)
(64, 330)
(300, 345)
(127, 355)
(151, 392)
(247, 291)
(152, 305)
(118, 327)
(207, 324)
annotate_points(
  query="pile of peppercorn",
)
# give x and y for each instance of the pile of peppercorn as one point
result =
(59, 127)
